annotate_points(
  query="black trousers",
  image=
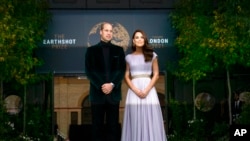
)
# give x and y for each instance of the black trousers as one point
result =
(105, 121)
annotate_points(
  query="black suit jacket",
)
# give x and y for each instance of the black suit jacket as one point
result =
(95, 71)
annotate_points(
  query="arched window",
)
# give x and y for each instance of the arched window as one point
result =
(86, 111)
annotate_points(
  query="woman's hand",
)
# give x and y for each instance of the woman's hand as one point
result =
(139, 93)
(145, 93)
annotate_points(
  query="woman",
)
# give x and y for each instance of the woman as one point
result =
(142, 117)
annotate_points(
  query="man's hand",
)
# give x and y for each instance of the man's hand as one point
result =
(107, 88)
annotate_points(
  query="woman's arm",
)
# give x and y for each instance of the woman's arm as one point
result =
(127, 78)
(155, 77)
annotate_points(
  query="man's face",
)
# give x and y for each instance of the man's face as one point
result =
(106, 33)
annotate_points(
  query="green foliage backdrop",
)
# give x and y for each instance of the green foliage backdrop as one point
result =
(23, 24)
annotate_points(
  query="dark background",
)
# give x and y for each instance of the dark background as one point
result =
(77, 24)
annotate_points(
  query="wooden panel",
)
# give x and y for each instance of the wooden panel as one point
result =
(110, 4)
(151, 4)
(71, 4)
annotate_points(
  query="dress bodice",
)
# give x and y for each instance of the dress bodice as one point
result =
(137, 64)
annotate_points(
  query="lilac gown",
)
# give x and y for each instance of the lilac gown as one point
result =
(143, 119)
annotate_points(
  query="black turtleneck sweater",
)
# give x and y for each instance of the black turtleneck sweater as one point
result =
(106, 47)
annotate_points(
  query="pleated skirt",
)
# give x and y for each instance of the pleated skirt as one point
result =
(143, 120)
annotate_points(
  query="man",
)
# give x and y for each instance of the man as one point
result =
(236, 107)
(105, 68)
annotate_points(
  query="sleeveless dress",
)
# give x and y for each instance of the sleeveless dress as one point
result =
(143, 119)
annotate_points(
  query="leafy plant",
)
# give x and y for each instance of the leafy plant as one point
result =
(191, 20)
(229, 38)
(184, 128)
(23, 25)
(211, 36)
(38, 123)
(179, 114)
(220, 131)
(197, 127)
(245, 115)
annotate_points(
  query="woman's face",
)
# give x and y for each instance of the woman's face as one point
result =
(138, 39)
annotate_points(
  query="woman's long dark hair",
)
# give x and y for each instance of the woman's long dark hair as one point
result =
(146, 49)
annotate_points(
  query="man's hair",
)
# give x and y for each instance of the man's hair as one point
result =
(103, 23)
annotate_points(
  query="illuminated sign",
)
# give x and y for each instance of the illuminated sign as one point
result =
(59, 42)
(72, 31)
(158, 42)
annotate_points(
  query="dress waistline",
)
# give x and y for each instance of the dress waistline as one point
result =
(141, 75)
